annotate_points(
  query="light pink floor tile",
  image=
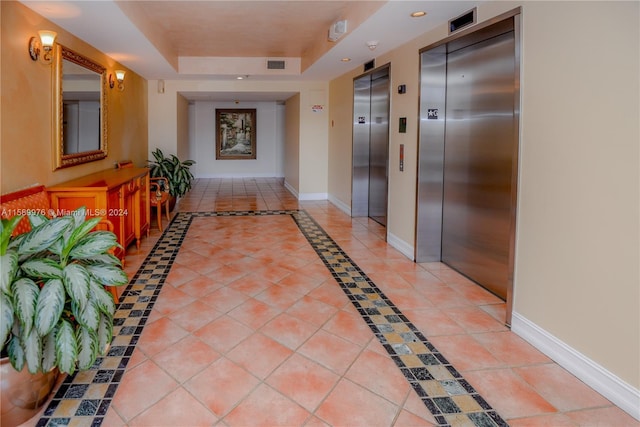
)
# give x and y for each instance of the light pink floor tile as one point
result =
(303, 381)
(378, 373)
(222, 386)
(253, 313)
(159, 335)
(331, 351)
(200, 355)
(350, 326)
(311, 310)
(560, 388)
(259, 355)
(289, 331)
(465, 353)
(352, 405)
(266, 407)
(509, 394)
(223, 334)
(178, 408)
(140, 388)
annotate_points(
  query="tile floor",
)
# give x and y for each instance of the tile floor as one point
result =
(237, 320)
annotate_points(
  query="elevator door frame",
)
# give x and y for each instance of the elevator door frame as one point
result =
(429, 195)
(361, 160)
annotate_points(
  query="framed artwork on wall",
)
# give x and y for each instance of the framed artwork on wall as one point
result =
(235, 134)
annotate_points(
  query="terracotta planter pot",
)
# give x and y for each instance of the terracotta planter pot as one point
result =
(23, 393)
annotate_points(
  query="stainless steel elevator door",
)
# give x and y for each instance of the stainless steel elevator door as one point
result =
(379, 149)
(361, 122)
(371, 145)
(480, 143)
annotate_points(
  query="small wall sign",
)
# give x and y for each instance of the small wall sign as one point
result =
(362, 120)
(402, 125)
(432, 113)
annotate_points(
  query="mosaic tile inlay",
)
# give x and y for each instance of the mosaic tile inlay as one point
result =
(84, 398)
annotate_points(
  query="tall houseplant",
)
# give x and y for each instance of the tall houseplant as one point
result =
(175, 170)
(54, 309)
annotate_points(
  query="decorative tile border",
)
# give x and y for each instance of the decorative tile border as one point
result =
(84, 398)
(443, 390)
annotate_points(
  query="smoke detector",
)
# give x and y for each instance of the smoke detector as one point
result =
(372, 45)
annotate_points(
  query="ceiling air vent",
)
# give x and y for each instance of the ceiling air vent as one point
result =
(462, 21)
(275, 64)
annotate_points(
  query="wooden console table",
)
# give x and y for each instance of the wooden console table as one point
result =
(120, 195)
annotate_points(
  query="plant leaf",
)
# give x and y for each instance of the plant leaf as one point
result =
(6, 229)
(66, 347)
(49, 351)
(108, 275)
(16, 353)
(16, 241)
(44, 235)
(49, 306)
(89, 317)
(107, 259)
(101, 298)
(32, 351)
(76, 282)
(88, 347)
(25, 298)
(79, 215)
(6, 318)
(93, 244)
(8, 268)
(105, 333)
(37, 220)
(45, 268)
(80, 231)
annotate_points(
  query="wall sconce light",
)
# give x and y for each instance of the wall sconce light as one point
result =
(41, 46)
(119, 78)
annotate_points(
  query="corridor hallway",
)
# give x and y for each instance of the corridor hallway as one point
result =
(235, 317)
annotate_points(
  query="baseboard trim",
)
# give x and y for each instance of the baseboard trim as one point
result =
(340, 204)
(238, 175)
(402, 246)
(312, 196)
(591, 373)
(291, 190)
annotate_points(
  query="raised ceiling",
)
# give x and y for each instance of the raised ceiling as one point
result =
(221, 39)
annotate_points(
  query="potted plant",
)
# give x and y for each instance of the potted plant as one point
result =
(55, 313)
(175, 170)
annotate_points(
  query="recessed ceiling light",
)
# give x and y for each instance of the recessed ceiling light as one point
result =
(240, 78)
(418, 14)
(345, 59)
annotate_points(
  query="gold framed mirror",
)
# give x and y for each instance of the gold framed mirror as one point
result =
(79, 109)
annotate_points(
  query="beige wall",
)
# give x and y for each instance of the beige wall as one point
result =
(340, 140)
(313, 142)
(182, 131)
(26, 147)
(292, 143)
(577, 249)
(577, 274)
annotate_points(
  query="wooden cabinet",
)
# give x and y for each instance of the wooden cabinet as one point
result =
(119, 195)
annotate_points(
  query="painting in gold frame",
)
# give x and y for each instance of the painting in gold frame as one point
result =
(235, 134)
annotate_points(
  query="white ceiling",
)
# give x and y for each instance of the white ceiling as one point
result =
(221, 39)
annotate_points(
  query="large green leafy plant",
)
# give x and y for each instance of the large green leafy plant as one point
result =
(54, 309)
(175, 170)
